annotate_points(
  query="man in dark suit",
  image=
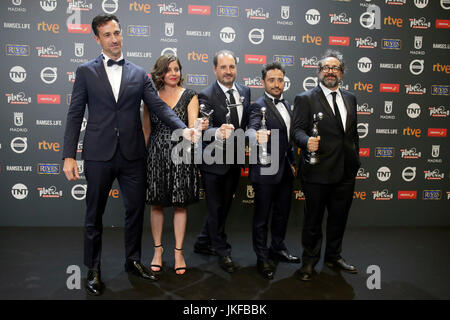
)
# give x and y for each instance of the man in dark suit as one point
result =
(113, 145)
(330, 183)
(220, 178)
(273, 190)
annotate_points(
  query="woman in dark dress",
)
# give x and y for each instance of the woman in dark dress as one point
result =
(169, 184)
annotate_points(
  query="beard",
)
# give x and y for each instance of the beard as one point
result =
(332, 81)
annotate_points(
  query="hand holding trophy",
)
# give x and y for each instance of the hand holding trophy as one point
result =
(313, 157)
(264, 156)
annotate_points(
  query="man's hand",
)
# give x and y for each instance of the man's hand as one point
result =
(262, 136)
(189, 134)
(71, 169)
(226, 130)
(204, 123)
(313, 144)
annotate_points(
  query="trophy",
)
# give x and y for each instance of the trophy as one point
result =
(264, 156)
(313, 157)
(205, 112)
(232, 105)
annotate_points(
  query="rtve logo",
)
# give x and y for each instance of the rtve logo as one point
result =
(412, 132)
(44, 26)
(317, 40)
(135, 6)
(49, 146)
(359, 195)
(194, 56)
(363, 86)
(441, 67)
(393, 21)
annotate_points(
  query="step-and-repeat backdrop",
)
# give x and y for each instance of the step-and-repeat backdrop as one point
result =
(397, 54)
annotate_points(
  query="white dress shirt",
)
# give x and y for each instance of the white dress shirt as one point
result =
(340, 102)
(114, 73)
(283, 112)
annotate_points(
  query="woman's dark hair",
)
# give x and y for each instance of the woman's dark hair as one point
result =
(161, 67)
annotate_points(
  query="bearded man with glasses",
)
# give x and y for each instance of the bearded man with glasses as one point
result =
(328, 184)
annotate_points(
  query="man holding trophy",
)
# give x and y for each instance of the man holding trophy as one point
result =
(324, 127)
(230, 102)
(269, 125)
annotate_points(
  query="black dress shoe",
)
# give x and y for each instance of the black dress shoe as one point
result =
(284, 256)
(342, 265)
(206, 250)
(265, 269)
(137, 269)
(94, 284)
(227, 264)
(305, 272)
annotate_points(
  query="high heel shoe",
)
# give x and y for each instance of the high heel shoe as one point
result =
(157, 265)
(181, 270)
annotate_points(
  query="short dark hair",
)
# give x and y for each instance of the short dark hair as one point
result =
(332, 54)
(224, 52)
(161, 67)
(272, 66)
(102, 19)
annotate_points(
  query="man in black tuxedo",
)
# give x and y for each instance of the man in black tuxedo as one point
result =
(330, 183)
(113, 146)
(220, 178)
(273, 190)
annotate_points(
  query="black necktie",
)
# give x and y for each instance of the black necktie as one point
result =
(234, 118)
(119, 63)
(337, 114)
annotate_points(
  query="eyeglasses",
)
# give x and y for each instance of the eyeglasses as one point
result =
(334, 69)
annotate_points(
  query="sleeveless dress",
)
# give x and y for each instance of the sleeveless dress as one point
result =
(170, 184)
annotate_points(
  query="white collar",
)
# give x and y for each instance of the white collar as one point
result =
(327, 91)
(225, 89)
(106, 58)
(272, 97)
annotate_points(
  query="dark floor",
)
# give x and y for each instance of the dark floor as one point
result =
(414, 264)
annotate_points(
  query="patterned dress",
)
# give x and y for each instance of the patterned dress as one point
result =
(170, 184)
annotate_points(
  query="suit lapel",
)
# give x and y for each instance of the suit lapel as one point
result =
(104, 81)
(124, 80)
(221, 98)
(347, 106)
(326, 106)
(275, 111)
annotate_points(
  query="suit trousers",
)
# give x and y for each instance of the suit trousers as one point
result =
(275, 198)
(100, 175)
(219, 191)
(337, 199)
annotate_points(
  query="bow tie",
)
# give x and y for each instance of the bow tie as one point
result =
(276, 101)
(112, 62)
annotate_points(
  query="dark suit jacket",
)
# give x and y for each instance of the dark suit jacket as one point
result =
(110, 121)
(338, 150)
(274, 120)
(214, 98)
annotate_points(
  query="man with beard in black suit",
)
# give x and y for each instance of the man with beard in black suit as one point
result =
(329, 183)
